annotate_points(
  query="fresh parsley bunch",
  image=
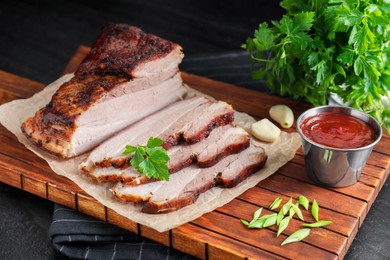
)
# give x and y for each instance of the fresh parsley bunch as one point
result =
(321, 47)
(151, 159)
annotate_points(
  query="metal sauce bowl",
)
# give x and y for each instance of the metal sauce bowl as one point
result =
(334, 167)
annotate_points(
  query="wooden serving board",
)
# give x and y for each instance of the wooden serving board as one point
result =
(218, 234)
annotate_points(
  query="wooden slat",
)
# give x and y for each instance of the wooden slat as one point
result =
(382, 147)
(374, 171)
(377, 160)
(18, 86)
(242, 210)
(61, 196)
(91, 206)
(345, 225)
(120, 221)
(183, 236)
(160, 237)
(359, 190)
(34, 186)
(218, 234)
(8, 176)
(209, 244)
(326, 198)
(265, 239)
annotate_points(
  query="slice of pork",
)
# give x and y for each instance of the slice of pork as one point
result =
(170, 124)
(184, 187)
(221, 142)
(107, 116)
(126, 76)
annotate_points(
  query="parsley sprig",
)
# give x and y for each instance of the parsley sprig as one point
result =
(328, 46)
(150, 160)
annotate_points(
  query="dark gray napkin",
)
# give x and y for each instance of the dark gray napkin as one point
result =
(79, 236)
(82, 237)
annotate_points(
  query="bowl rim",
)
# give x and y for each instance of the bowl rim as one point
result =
(328, 108)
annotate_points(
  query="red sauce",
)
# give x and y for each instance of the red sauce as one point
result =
(337, 130)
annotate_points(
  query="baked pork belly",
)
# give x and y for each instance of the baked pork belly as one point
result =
(126, 76)
(221, 142)
(184, 187)
(188, 120)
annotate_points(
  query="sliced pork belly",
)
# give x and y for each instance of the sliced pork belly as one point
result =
(168, 190)
(170, 124)
(127, 75)
(184, 187)
(67, 132)
(109, 174)
(221, 142)
(226, 141)
(246, 163)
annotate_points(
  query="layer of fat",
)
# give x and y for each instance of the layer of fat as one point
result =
(141, 83)
(149, 68)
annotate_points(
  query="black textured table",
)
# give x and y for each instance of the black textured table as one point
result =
(37, 39)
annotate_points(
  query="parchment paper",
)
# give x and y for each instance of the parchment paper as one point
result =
(280, 152)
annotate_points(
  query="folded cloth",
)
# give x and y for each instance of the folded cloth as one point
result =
(82, 237)
(79, 236)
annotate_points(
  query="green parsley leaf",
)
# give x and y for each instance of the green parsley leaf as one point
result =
(346, 57)
(263, 37)
(303, 21)
(150, 160)
(154, 142)
(327, 46)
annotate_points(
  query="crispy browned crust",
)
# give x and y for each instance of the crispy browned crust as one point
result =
(129, 197)
(183, 164)
(120, 48)
(29, 129)
(172, 140)
(221, 120)
(181, 202)
(231, 149)
(119, 163)
(137, 181)
(245, 173)
(106, 178)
